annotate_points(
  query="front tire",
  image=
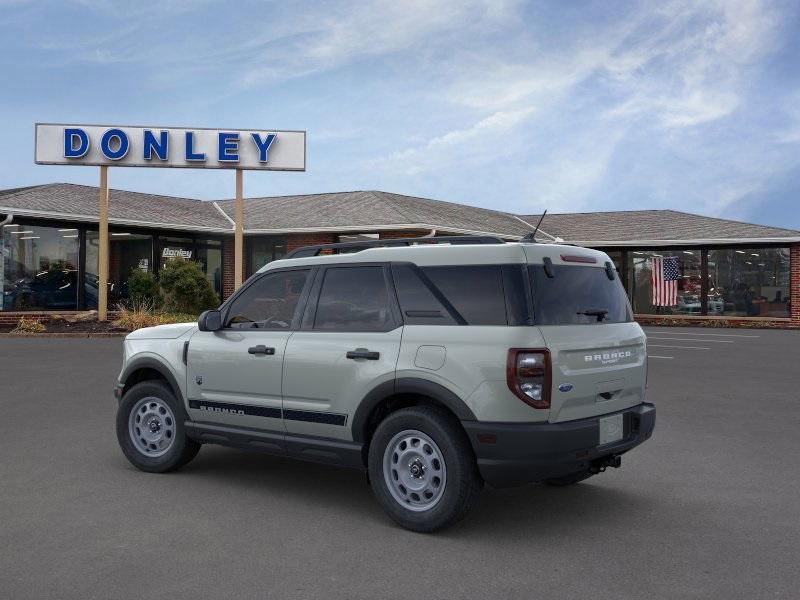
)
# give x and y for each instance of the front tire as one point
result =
(422, 469)
(151, 431)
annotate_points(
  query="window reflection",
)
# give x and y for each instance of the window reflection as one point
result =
(263, 250)
(39, 268)
(666, 281)
(749, 282)
(128, 252)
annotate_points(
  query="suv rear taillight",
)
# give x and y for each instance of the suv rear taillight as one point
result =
(528, 376)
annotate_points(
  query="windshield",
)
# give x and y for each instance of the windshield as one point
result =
(578, 295)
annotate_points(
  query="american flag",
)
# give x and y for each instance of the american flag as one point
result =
(664, 279)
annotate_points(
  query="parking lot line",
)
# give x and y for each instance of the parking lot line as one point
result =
(689, 347)
(736, 335)
(671, 339)
(655, 356)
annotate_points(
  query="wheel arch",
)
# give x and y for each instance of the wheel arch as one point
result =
(147, 368)
(401, 393)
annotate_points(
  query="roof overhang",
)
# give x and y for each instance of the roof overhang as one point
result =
(113, 221)
(274, 231)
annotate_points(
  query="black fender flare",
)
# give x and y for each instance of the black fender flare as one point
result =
(148, 362)
(407, 385)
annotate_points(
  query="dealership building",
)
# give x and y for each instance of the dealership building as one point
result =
(726, 270)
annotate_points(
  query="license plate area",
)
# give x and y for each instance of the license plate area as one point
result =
(611, 429)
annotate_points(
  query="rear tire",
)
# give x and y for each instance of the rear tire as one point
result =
(570, 479)
(422, 469)
(150, 428)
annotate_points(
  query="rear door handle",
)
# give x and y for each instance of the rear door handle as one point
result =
(260, 349)
(363, 353)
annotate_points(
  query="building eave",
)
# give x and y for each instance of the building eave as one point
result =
(112, 220)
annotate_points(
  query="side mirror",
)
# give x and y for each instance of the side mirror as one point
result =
(210, 320)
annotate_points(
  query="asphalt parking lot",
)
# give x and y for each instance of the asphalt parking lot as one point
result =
(709, 508)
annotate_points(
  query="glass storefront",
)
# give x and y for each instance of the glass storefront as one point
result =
(262, 250)
(208, 253)
(666, 282)
(48, 268)
(749, 282)
(130, 251)
(127, 252)
(39, 268)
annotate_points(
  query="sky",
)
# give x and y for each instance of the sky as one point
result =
(568, 106)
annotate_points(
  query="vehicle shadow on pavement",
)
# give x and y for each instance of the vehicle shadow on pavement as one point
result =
(510, 512)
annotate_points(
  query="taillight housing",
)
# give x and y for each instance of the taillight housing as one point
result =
(529, 375)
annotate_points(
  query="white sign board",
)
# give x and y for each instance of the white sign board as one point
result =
(189, 148)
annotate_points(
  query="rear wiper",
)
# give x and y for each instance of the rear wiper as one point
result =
(600, 313)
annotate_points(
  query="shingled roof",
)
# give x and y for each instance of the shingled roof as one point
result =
(79, 203)
(365, 210)
(636, 227)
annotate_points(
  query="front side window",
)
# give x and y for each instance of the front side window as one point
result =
(577, 295)
(269, 303)
(354, 299)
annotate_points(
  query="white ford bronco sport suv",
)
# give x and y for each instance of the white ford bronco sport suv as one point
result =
(434, 364)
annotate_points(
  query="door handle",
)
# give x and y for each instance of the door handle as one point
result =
(260, 349)
(363, 353)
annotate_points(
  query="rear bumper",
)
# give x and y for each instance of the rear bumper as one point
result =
(512, 454)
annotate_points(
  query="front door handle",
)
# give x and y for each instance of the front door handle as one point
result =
(363, 353)
(260, 349)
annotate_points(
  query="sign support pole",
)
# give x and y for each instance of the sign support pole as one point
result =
(102, 257)
(238, 254)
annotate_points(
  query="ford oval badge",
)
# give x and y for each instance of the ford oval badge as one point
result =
(565, 387)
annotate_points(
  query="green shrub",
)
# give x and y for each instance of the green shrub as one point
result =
(185, 288)
(143, 289)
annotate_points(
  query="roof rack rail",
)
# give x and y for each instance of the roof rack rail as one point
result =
(316, 250)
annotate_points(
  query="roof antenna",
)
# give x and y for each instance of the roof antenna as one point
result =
(530, 238)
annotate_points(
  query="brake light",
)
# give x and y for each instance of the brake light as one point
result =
(528, 375)
(578, 258)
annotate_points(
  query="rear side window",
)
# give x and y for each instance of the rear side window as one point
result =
(418, 301)
(577, 295)
(475, 291)
(354, 299)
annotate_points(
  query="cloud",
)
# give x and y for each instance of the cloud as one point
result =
(463, 146)
(327, 39)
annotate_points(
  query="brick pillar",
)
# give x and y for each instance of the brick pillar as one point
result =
(228, 266)
(794, 283)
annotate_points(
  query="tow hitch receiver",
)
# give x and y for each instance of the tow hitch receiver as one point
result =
(601, 464)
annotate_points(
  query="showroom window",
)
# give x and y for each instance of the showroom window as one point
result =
(39, 268)
(749, 282)
(263, 250)
(128, 252)
(209, 255)
(206, 252)
(666, 281)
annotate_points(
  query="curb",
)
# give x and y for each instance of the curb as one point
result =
(63, 335)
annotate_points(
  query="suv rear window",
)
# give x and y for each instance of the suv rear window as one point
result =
(577, 295)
